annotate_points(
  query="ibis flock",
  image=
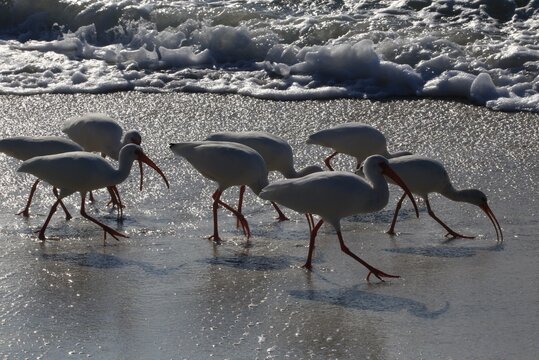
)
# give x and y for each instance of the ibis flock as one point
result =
(243, 159)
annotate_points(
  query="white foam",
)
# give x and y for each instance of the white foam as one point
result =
(483, 51)
(483, 89)
(451, 83)
(530, 103)
(184, 57)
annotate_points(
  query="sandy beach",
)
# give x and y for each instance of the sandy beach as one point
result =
(167, 292)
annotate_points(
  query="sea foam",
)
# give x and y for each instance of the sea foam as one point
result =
(484, 51)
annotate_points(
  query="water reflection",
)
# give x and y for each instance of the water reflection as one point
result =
(364, 300)
(106, 261)
(446, 251)
(255, 262)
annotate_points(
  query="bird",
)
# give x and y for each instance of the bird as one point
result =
(228, 164)
(355, 139)
(334, 195)
(424, 176)
(276, 152)
(82, 172)
(97, 132)
(27, 147)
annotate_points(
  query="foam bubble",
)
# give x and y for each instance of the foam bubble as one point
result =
(483, 89)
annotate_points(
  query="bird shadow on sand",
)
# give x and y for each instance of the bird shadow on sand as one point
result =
(446, 251)
(253, 262)
(353, 298)
(105, 261)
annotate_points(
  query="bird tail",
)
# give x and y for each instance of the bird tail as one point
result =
(273, 192)
(183, 149)
(25, 167)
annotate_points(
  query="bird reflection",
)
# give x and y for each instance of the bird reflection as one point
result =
(364, 300)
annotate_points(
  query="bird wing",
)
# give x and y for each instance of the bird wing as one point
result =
(76, 171)
(327, 194)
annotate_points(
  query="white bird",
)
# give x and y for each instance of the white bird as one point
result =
(276, 152)
(26, 147)
(335, 195)
(355, 139)
(97, 132)
(229, 164)
(424, 176)
(81, 172)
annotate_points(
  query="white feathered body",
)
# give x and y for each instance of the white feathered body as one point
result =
(227, 163)
(421, 174)
(331, 195)
(26, 147)
(95, 132)
(275, 151)
(355, 139)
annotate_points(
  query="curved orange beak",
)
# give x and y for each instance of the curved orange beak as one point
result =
(386, 170)
(490, 214)
(143, 158)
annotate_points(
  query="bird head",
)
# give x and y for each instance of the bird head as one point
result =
(132, 137)
(478, 198)
(379, 164)
(141, 157)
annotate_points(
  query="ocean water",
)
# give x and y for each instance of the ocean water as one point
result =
(483, 51)
(166, 292)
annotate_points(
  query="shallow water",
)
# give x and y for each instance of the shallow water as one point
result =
(167, 292)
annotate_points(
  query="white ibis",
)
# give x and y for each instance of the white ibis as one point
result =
(82, 172)
(228, 164)
(355, 139)
(424, 176)
(334, 195)
(26, 147)
(97, 132)
(275, 151)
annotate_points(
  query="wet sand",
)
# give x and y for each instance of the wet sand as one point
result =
(168, 292)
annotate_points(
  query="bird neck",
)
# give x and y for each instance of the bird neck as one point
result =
(380, 191)
(456, 195)
(115, 154)
(293, 174)
(124, 168)
(397, 154)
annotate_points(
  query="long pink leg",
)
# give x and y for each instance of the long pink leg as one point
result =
(391, 230)
(24, 212)
(215, 236)
(310, 221)
(313, 234)
(106, 229)
(281, 216)
(68, 215)
(116, 201)
(216, 202)
(41, 235)
(328, 159)
(372, 270)
(240, 204)
(449, 230)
